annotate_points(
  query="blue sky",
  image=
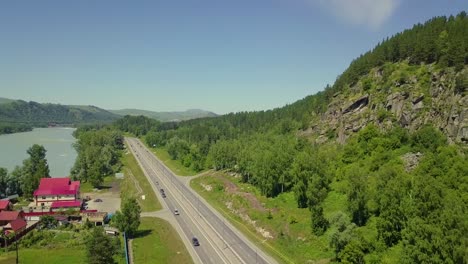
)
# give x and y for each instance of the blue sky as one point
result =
(222, 56)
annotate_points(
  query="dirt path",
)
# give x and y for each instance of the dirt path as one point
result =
(231, 188)
(136, 183)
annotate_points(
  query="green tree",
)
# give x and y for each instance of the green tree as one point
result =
(34, 168)
(342, 237)
(353, 253)
(98, 155)
(37, 155)
(319, 223)
(427, 138)
(100, 248)
(47, 222)
(128, 219)
(14, 181)
(357, 194)
(3, 182)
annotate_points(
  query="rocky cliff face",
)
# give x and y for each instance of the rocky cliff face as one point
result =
(409, 96)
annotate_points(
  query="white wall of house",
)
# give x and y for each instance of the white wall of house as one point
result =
(47, 200)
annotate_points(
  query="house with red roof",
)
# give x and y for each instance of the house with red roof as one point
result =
(12, 220)
(58, 193)
(5, 205)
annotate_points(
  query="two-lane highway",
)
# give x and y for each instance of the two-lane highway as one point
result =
(219, 241)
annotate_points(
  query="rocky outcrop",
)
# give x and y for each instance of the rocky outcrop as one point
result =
(356, 105)
(426, 95)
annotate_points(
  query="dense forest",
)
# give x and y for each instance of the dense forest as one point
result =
(407, 189)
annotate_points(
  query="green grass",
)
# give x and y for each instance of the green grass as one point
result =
(158, 242)
(45, 256)
(290, 226)
(175, 165)
(86, 187)
(334, 203)
(49, 247)
(131, 167)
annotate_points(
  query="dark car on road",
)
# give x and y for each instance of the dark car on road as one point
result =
(195, 241)
(98, 200)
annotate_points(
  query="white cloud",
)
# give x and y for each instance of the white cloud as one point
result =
(372, 13)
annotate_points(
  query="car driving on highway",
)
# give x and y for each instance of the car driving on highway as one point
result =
(176, 212)
(195, 241)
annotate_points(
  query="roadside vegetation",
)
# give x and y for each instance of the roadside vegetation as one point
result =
(127, 219)
(156, 241)
(175, 165)
(259, 217)
(135, 184)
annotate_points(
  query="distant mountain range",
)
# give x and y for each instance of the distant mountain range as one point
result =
(166, 116)
(39, 114)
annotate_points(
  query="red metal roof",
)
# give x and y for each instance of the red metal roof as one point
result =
(18, 224)
(9, 215)
(57, 186)
(62, 204)
(4, 204)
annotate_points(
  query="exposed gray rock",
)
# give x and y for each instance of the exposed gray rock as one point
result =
(410, 105)
(418, 105)
(359, 103)
(411, 160)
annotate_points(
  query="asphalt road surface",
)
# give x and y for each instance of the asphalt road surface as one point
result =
(219, 241)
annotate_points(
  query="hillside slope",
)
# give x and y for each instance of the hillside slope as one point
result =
(400, 94)
(166, 116)
(36, 114)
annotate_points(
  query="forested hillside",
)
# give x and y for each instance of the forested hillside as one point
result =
(387, 139)
(36, 114)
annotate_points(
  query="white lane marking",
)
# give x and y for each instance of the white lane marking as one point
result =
(195, 223)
